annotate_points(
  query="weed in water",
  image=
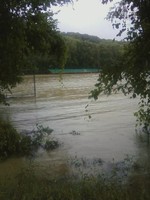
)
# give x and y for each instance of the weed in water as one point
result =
(28, 185)
(25, 143)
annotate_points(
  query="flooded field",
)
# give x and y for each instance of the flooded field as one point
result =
(106, 128)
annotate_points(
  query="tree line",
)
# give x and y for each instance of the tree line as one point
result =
(83, 51)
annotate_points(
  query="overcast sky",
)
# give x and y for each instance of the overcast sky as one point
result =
(86, 16)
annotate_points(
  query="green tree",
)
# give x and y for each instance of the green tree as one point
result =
(131, 74)
(27, 31)
(86, 51)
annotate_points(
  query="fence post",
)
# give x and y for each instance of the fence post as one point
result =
(34, 82)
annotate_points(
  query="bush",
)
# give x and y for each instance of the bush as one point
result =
(14, 143)
(51, 144)
(25, 145)
(9, 140)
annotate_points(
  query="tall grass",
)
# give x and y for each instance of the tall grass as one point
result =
(28, 185)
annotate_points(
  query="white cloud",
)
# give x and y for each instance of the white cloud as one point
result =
(86, 16)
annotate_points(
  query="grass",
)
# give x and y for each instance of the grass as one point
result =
(28, 185)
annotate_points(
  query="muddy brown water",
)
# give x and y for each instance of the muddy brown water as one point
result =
(106, 127)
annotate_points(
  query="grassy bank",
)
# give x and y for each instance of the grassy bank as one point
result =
(28, 185)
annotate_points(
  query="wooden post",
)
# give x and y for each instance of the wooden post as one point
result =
(34, 82)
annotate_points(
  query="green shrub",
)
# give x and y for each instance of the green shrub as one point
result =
(42, 129)
(9, 140)
(51, 144)
(26, 146)
(14, 143)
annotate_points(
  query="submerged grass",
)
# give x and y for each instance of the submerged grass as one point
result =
(28, 185)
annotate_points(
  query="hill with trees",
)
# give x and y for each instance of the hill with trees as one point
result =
(85, 51)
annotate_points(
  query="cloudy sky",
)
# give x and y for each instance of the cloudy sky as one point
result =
(86, 16)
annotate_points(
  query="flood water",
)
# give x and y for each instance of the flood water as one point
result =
(106, 127)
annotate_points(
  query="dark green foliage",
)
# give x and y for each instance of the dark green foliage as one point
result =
(27, 32)
(82, 52)
(24, 144)
(131, 73)
(85, 51)
(9, 140)
(83, 37)
(41, 129)
(51, 144)
(38, 135)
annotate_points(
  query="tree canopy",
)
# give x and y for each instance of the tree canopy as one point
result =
(132, 74)
(87, 51)
(28, 31)
(83, 52)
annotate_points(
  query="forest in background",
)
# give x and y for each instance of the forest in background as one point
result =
(83, 51)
